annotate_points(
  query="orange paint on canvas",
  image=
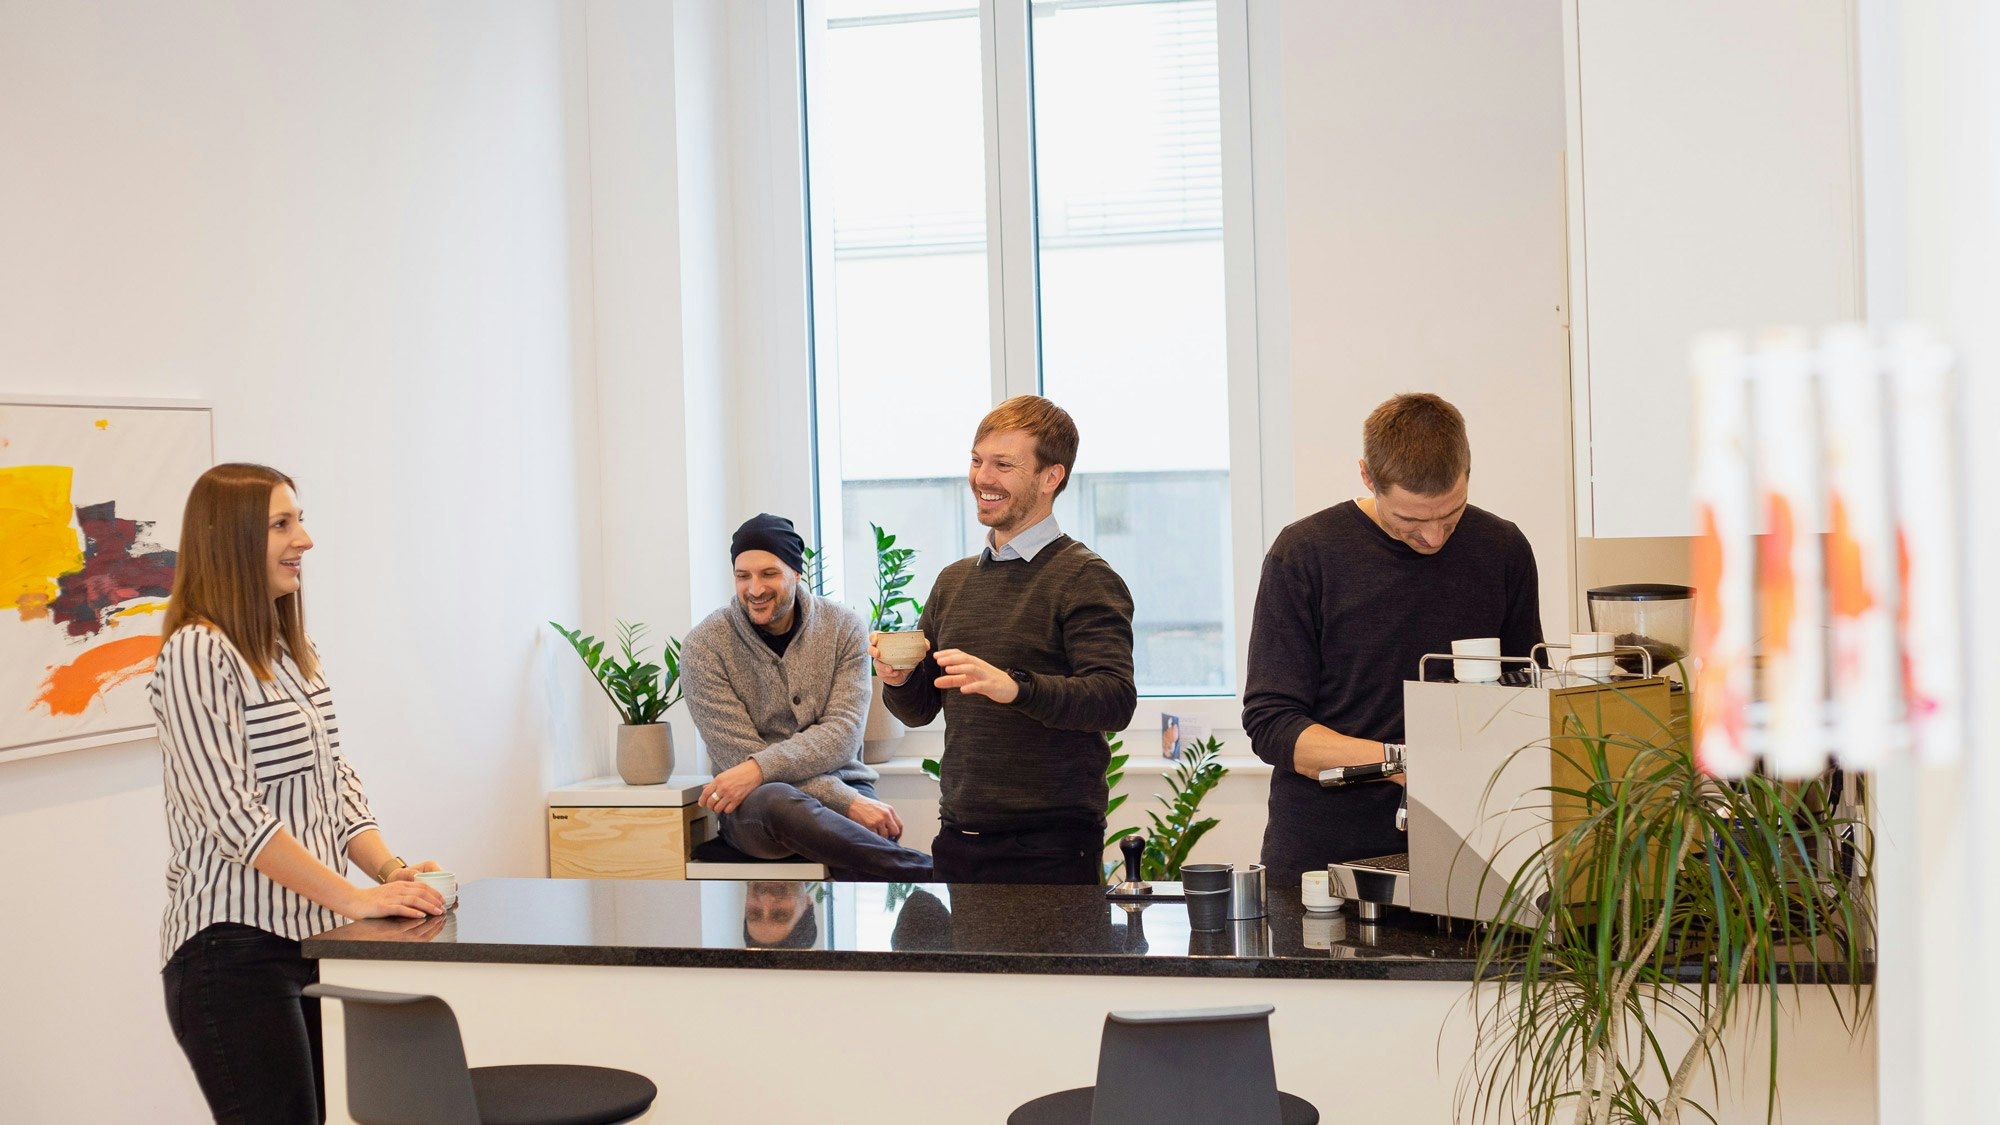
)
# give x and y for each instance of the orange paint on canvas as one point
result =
(1707, 564)
(1846, 583)
(1921, 706)
(71, 687)
(1718, 707)
(1778, 582)
(37, 543)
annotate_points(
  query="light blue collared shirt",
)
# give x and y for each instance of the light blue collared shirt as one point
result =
(1024, 546)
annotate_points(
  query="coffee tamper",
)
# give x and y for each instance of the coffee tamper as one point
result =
(1131, 886)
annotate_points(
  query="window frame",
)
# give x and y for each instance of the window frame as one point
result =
(1259, 441)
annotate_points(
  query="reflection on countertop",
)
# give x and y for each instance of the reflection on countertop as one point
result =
(897, 927)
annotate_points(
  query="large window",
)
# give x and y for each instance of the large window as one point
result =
(1028, 197)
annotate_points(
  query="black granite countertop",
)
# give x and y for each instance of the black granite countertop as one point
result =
(899, 927)
(902, 927)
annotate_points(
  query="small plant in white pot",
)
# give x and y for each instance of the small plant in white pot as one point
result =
(641, 691)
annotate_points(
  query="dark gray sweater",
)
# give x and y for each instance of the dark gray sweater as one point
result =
(1344, 611)
(1064, 617)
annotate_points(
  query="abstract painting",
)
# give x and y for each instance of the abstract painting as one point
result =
(90, 514)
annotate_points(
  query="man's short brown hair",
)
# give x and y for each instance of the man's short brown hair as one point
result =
(1053, 429)
(1417, 443)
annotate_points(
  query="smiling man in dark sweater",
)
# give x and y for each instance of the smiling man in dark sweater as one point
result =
(1031, 662)
(1351, 597)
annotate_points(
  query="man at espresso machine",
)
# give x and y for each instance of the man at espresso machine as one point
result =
(1350, 598)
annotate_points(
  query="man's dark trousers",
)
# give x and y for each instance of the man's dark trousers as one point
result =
(1048, 856)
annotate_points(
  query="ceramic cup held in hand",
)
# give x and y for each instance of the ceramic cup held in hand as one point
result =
(444, 883)
(1476, 671)
(902, 651)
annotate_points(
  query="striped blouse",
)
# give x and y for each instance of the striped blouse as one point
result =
(244, 758)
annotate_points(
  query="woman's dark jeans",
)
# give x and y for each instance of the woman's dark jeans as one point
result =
(234, 1002)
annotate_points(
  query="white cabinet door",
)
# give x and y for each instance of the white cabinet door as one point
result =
(1712, 185)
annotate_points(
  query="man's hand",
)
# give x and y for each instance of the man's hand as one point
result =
(894, 677)
(730, 786)
(973, 676)
(876, 817)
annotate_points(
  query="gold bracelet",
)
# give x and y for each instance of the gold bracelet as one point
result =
(395, 863)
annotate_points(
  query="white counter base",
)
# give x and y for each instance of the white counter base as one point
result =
(888, 1048)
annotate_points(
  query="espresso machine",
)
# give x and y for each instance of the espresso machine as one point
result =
(1481, 758)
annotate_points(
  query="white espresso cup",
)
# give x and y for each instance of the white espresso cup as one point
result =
(1476, 671)
(444, 883)
(1590, 655)
(1316, 892)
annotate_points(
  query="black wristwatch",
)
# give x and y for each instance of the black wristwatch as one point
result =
(1023, 679)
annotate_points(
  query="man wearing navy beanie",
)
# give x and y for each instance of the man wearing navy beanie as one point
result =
(777, 682)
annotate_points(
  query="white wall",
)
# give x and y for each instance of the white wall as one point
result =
(355, 228)
(1421, 221)
(1930, 120)
(660, 243)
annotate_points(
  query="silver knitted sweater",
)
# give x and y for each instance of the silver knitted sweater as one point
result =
(799, 715)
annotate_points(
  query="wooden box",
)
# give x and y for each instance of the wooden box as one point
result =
(603, 829)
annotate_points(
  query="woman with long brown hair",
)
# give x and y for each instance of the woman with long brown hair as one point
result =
(263, 812)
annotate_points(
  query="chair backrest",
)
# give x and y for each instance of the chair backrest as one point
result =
(405, 1060)
(1196, 1066)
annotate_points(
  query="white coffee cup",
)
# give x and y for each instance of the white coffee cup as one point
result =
(445, 883)
(1316, 892)
(1476, 671)
(1590, 655)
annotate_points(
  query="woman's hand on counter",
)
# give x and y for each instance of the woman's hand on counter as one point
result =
(411, 929)
(732, 785)
(397, 898)
(876, 817)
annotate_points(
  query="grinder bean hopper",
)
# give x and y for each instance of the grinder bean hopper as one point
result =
(1655, 616)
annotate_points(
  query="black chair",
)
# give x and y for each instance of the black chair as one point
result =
(1206, 1066)
(406, 1066)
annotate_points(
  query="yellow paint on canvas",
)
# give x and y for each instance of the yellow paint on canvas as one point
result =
(104, 423)
(142, 607)
(37, 543)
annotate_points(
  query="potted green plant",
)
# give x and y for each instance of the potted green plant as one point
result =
(1666, 906)
(1172, 838)
(642, 691)
(890, 610)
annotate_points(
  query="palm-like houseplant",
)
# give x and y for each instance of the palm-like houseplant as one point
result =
(1172, 838)
(642, 690)
(1688, 905)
